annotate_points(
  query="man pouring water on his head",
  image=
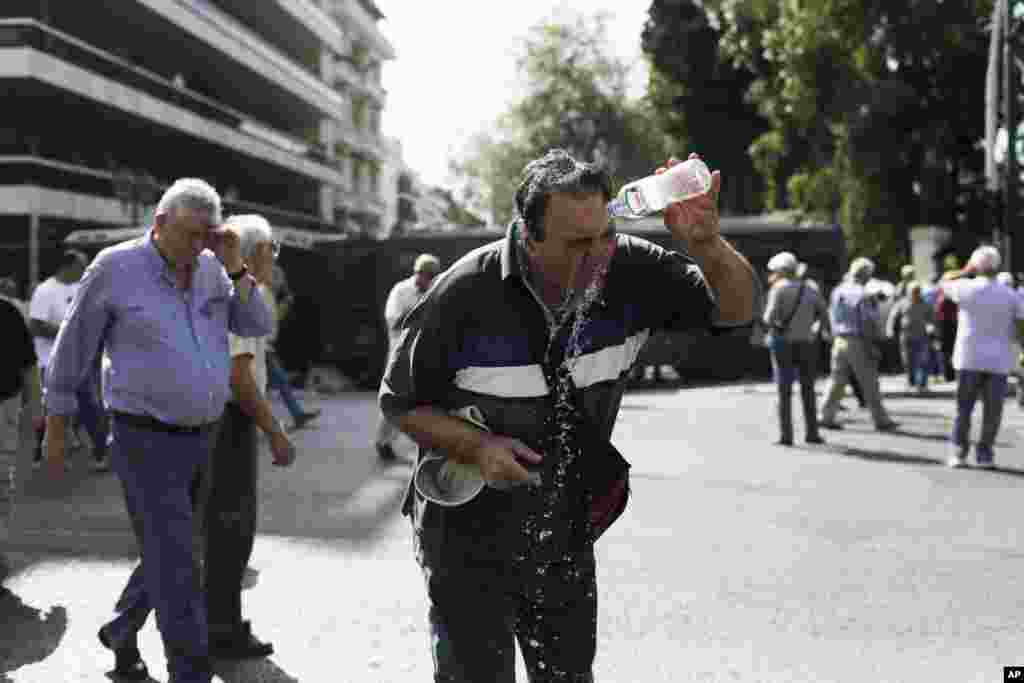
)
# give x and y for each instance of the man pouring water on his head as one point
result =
(532, 337)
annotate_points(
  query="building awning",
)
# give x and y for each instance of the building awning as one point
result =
(292, 237)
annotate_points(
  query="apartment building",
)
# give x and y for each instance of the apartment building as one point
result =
(275, 102)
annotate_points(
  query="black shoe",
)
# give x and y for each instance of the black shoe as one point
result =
(386, 452)
(128, 664)
(305, 418)
(814, 438)
(240, 645)
(784, 442)
(830, 425)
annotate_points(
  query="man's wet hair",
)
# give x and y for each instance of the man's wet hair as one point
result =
(556, 171)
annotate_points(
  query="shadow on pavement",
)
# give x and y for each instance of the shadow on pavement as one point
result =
(262, 670)
(26, 634)
(881, 455)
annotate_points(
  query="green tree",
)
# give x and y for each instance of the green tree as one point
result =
(575, 97)
(875, 104)
(699, 97)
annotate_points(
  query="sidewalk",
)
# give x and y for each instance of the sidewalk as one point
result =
(861, 560)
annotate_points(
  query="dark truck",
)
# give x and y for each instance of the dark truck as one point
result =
(341, 289)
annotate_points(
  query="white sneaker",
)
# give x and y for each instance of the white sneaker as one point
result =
(958, 459)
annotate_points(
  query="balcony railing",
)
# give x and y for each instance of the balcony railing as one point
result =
(30, 33)
(246, 39)
(61, 175)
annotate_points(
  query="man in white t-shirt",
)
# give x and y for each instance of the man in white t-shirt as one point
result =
(230, 492)
(402, 298)
(990, 317)
(49, 304)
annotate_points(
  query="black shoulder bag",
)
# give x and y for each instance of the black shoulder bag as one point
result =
(778, 333)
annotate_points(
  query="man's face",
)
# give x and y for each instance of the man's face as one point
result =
(423, 279)
(578, 239)
(184, 233)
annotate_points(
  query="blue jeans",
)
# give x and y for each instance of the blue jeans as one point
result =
(277, 378)
(991, 388)
(916, 350)
(157, 471)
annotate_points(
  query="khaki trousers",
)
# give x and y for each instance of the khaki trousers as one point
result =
(851, 357)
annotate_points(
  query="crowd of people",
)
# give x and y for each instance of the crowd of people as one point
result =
(533, 335)
(965, 326)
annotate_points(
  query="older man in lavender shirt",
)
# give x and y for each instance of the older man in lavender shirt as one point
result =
(160, 308)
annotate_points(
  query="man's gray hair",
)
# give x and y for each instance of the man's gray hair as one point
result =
(253, 229)
(985, 260)
(191, 193)
(862, 269)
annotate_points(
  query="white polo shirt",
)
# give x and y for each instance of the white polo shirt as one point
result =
(50, 302)
(986, 326)
(256, 347)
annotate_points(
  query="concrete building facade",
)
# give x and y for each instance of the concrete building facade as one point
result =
(275, 102)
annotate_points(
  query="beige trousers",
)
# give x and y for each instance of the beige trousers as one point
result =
(851, 356)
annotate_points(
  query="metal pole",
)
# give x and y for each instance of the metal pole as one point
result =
(1010, 199)
(33, 250)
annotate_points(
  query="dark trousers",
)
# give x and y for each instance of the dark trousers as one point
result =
(477, 614)
(991, 388)
(157, 471)
(229, 522)
(789, 361)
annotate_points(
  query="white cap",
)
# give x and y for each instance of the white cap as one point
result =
(862, 267)
(783, 262)
(985, 259)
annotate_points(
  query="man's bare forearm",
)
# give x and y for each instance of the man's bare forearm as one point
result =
(731, 277)
(434, 429)
(254, 404)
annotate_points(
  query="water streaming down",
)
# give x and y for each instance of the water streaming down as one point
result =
(563, 419)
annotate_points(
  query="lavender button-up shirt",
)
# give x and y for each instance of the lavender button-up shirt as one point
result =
(167, 347)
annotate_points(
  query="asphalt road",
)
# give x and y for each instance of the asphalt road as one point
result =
(861, 560)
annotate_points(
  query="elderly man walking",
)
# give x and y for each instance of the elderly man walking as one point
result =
(160, 307)
(857, 328)
(402, 298)
(794, 305)
(990, 316)
(229, 522)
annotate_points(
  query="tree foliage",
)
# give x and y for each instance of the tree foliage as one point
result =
(698, 97)
(575, 96)
(872, 109)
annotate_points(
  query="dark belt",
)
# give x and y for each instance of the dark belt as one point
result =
(155, 425)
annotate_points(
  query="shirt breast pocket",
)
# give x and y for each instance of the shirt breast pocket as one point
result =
(213, 315)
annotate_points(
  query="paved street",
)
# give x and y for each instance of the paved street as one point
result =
(861, 560)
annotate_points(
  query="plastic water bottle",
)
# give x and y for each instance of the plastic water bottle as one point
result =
(653, 193)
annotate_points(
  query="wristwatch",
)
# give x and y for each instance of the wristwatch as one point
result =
(239, 274)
